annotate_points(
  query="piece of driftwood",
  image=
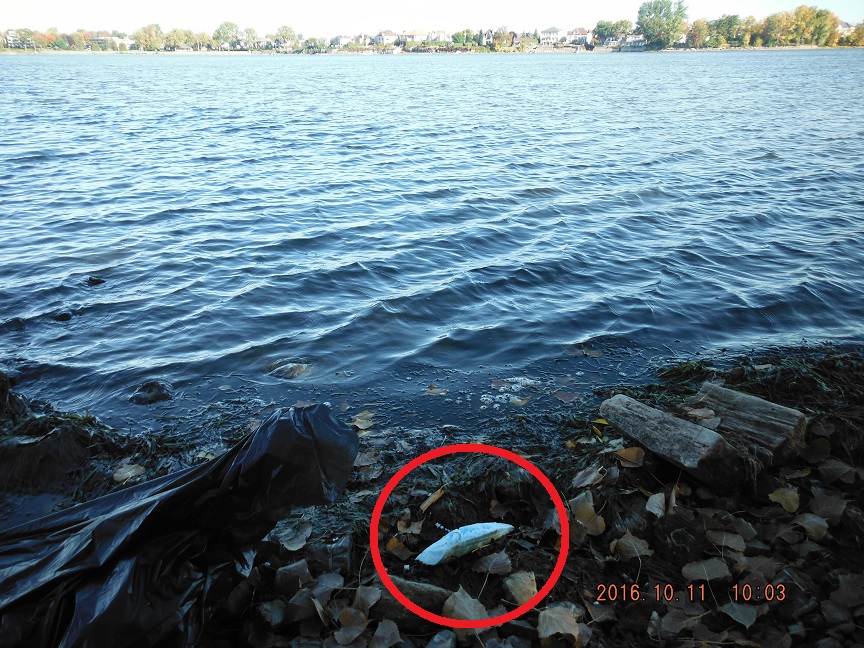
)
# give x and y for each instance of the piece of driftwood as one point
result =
(429, 597)
(698, 450)
(774, 432)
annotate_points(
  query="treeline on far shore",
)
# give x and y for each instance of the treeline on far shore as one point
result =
(660, 24)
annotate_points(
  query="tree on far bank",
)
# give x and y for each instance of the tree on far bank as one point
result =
(149, 38)
(661, 22)
(202, 40)
(698, 34)
(250, 36)
(227, 32)
(285, 36)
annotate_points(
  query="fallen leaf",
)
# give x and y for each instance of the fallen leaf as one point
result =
(295, 539)
(363, 420)
(589, 476)
(398, 549)
(565, 396)
(832, 470)
(325, 585)
(657, 504)
(434, 390)
(126, 472)
(744, 614)
(629, 547)
(386, 635)
(600, 612)
(558, 619)
(461, 606)
(725, 539)
(522, 586)
(794, 473)
(851, 591)
(582, 507)
(600, 421)
(815, 526)
(496, 563)
(817, 450)
(369, 458)
(631, 457)
(519, 402)
(708, 570)
(207, 456)
(743, 528)
(594, 353)
(291, 370)
(365, 597)
(787, 497)
(828, 506)
(429, 501)
(353, 624)
(676, 621)
(412, 528)
(762, 565)
(368, 473)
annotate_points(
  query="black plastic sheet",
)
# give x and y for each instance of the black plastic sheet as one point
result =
(149, 564)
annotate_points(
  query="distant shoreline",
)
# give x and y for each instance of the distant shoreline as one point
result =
(597, 50)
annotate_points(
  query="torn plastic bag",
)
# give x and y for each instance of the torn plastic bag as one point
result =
(139, 567)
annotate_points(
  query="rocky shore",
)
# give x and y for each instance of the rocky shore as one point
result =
(659, 553)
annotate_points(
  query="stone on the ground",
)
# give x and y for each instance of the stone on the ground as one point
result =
(38, 463)
(777, 432)
(152, 391)
(701, 452)
(428, 597)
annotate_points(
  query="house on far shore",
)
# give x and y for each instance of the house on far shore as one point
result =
(438, 36)
(363, 39)
(519, 41)
(633, 43)
(844, 29)
(385, 38)
(341, 41)
(413, 36)
(579, 36)
(552, 35)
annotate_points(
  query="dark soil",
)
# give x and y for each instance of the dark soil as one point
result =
(779, 562)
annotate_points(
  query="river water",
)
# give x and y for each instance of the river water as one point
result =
(396, 221)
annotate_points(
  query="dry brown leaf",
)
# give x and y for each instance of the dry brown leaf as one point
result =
(363, 420)
(743, 528)
(326, 583)
(398, 549)
(629, 547)
(794, 473)
(828, 506)
(496, 563)
(657, 504)
(744, 614)
(725, 539)
(429, 501)
(851, 591)
(368, 473)
(519, 402)
(413, 528)
(832, 470)
(602, 612)
(589, 476)
(814, 526)
(367, 458)
(559, 619)
(386, 635)
(582, 507)
(461, 606)
(295, 539)
(761, 565)
(365, 597)
(522, 586)
(708, 570)
(630, 457)
(435, 390)
(787, 497)
(817, 450)
(675, 622)
(353, 624)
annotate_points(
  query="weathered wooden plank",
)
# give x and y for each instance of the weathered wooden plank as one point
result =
(700, 451)
(746, 420)
(429, 597)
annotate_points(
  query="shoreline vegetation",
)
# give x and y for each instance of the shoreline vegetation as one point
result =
(660, 25)
(721, 566)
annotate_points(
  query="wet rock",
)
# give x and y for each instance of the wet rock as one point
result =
(150, 392)
(329, 557)
(93, 280)
(65, 316)
(39, 463)
(14, 324)
(428, 597)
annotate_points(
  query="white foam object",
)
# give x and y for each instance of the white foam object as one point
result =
(463, 540)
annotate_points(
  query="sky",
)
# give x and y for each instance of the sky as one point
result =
(351, 17)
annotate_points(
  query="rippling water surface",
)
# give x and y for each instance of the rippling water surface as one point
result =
(389, 217)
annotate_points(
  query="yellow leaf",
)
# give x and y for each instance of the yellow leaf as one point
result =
(398, 549)
(570, 445)
(787, 497)
(631, 457)
(600, 421)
